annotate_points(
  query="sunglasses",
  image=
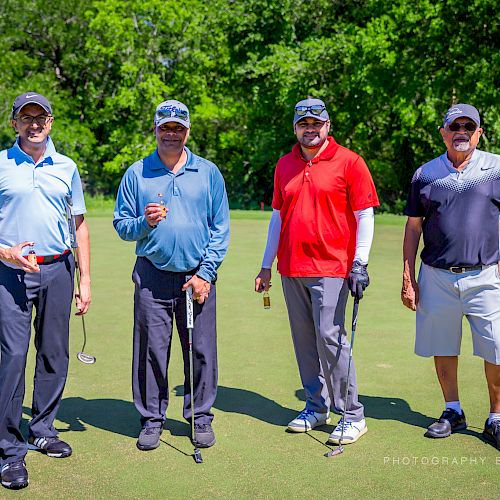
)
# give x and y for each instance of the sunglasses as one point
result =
(315, 109)
(40, 120)
(172, 111)
(469, 126)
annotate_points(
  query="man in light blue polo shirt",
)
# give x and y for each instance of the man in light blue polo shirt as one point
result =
(173, 204)
(34, 183)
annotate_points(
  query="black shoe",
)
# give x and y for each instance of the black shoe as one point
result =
(204, 436)
(491, 432)
(149, 438)
(15, 475)
(52, 446)
(449, 421)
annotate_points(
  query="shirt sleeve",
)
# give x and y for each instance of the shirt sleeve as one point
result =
(273, 240)
(219, 230)
(129, 225)
(361, 189)
(413, 205)
(364, 234)
(79, 207)
(277, 196)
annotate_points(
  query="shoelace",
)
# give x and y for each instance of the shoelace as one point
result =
(201, 427)
(496, 425)
(347, 425)
(14, 465)
(304, 414)
(152, 430)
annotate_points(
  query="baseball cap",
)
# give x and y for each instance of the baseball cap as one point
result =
(172, 111)
(30, 98)
(313, 108)
(462, 110)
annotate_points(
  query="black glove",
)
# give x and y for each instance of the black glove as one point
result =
(358, 279)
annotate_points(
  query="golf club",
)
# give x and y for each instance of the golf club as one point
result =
(190, 325)
(81, 356)
(340, 449)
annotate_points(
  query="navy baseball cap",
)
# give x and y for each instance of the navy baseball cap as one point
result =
(310, 108)
(172, 111)
(460, 111)
(30, 98)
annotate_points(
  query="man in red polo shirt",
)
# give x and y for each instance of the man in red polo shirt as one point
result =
(321, 230)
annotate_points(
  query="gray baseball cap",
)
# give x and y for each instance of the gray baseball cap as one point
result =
(172, 111)
(30, 98)
(310, 108)
(460, 111)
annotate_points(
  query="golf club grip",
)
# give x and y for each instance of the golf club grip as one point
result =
(189, 308)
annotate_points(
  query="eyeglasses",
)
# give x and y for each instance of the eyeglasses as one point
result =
(315, 109)
(170, 112)
(40, 120)
(469, 126)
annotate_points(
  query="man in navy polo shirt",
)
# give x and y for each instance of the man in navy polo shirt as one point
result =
(34, 183)
(173, 204)
(454, 201)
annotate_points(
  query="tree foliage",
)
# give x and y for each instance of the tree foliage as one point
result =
(387, 71)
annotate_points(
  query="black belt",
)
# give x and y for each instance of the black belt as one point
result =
(464, 269)
(47, 259)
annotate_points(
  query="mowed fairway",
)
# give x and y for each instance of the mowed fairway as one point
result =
(259, 392)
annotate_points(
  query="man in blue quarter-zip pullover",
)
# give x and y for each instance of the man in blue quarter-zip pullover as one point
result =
(173, 204)
(35, 182)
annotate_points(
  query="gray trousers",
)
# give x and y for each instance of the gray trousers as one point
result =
(51, 292)
(316, 310)
(158, 300)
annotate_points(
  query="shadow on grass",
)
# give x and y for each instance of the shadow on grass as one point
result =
(121, 417)
(387, 408)
(253, 404)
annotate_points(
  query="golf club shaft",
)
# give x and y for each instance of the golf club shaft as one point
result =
(74, 247)
(77, 275)
(354, 321)
(190, 326)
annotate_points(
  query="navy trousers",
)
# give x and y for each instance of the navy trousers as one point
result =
(51, 292)
(158, 300)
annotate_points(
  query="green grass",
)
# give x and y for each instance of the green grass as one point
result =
(259, 393)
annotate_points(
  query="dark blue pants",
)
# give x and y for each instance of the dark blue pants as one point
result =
(158, 300)
(51, 292)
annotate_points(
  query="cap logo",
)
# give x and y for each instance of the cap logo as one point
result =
(30, 96)
(454, 111)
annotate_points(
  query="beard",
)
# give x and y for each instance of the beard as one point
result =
(462, 146)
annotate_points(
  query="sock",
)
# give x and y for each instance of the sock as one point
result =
(454, 405)
(493, 416)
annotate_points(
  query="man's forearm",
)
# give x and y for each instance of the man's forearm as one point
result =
(410, 248)
(83, 250)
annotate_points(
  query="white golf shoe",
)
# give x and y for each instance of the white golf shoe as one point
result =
(352, 432)
(307, 420)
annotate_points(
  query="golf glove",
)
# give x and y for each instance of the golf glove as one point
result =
(358, 279)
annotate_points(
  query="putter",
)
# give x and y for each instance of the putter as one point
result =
(190, 325)
(340, 449)
(88, 359)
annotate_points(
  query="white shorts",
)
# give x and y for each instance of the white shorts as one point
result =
(445, 298)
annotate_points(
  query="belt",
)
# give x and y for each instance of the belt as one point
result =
(464, 269)
(47, 259)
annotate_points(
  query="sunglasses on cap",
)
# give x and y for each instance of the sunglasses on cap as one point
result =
(315, 109)
(469, 126)
(172, 112)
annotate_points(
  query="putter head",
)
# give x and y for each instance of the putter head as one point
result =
(334, 453)
(88, 359)
(197, 456)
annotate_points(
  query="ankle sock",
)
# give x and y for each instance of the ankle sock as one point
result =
(454, 405)
(493, 416)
